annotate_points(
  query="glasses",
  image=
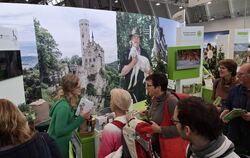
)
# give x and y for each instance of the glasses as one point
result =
(239, 74)
(149, 85)
(78, 87)
(175, 121)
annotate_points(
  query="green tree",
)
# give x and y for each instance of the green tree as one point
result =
(91, 89)
(48, 53)
(32, 85)
(75, 59)
(112, 77)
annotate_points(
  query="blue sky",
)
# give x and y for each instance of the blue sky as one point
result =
(210, 37)
(63, 24)
(169, 29)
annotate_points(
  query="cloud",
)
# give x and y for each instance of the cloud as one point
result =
(63, 24)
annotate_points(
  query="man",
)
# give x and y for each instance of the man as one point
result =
(138, 91)
(239, 97)
(199, 123)
(166, 141)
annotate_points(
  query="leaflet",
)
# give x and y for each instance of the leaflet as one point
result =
(236, 112)
(217, 101)
(85, 104)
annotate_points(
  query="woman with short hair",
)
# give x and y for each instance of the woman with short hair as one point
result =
(111, 138)
(222, 85)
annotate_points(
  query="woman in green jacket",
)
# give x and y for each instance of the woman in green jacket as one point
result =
(63, 121)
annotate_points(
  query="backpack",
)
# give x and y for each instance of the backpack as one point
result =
(136, 138)
(180, 96)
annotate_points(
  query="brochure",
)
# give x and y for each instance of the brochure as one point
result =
(85, 104)
(237, 112)
(217, 101)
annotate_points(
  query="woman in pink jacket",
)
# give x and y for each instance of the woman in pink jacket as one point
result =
(111, 138)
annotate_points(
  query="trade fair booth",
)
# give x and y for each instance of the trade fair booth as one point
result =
(40, 44)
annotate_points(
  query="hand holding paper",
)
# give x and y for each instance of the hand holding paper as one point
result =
(237, 112)
(85, 105)
(85, 115)
(246, 116)
(217, 101)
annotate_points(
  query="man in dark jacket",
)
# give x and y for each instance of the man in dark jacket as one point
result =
(126, 65)
(239, 97)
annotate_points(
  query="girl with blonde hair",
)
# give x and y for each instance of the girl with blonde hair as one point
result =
(111, 135)
(17, 138)
(63, 122)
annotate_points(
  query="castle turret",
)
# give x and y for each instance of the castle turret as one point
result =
(84, 35)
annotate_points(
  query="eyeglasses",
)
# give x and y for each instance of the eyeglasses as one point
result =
(78, 87)
(239, 74)
(175, 121)
(149, 85)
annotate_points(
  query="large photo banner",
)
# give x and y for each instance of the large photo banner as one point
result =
(215, 47)
(142, 40)
(54, 41)
(242, 46)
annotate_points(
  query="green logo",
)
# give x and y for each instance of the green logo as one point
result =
(243, 33)
(199, 33)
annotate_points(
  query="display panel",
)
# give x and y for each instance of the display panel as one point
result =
(188, 59)
(10, 64)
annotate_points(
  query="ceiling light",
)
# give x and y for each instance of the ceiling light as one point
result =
(116, 1)
(209, 2)
(211, 19)
(180, 7)
(157, 4)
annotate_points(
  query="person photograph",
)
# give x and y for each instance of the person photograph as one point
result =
(135, 66)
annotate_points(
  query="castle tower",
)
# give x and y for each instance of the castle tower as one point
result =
(84, 35)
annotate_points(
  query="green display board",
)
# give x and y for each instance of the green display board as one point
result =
(174, 74)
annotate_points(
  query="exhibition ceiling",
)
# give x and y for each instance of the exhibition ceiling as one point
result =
(214, 10)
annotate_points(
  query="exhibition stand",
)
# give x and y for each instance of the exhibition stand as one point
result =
(83, 147)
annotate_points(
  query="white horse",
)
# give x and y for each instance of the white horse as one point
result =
(142, 64)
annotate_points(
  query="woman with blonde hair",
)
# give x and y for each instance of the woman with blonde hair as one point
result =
(111, 135)
(63, 121)
(16, 138)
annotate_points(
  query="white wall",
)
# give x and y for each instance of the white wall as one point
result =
(226, 24)
(13, 88)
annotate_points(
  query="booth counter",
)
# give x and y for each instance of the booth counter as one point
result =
(82, 147)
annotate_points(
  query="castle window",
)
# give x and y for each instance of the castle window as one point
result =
(89, 59)
(82, 35)
(94, 59)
